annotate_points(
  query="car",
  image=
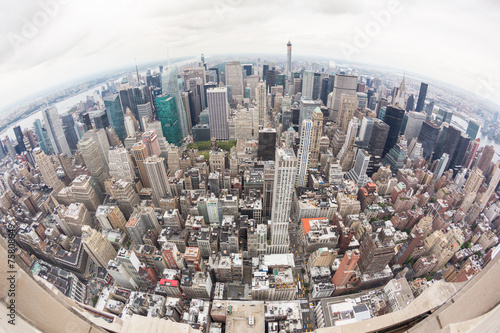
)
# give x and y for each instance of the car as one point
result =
(311, 305)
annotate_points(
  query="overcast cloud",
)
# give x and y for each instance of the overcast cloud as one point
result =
(455, 41)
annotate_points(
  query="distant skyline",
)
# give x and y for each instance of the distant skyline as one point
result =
(45, 44)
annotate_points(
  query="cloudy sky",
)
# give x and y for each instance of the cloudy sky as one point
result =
(45, 43)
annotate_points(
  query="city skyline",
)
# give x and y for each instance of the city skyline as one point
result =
(96, 52)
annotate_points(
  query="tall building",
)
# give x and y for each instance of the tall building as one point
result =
(140, 153)
(344, 84)
(365, 132)
(97, 246)
(472, 153)
(317, 133)
(95, 164)
(261, 94)
(267, 144)
(284, 177)
(378, 138)
(457, 160)
(170, 86)
(43, 137)
(414, 125)
(71, 219)
(53, 124)
(307, 84)
(110, 217)
(347, 107)
(121, 165)
(234, 78)
(472, 129)
(218, 111)
(474, 181)
(170, 119)
(86, 191)
(115, 115)
(428, 137)
(326, 88)
(303, 153)
(358, 172)
(346, 270)
(408, 246)
(394, 118)
(47, 170)
(376, 251)
(68, 124)
(447, 141)
(421, 97)
(441, 166)
(491, 186)
(20, 138)
(157, 175)
(289, 60)
(485, 160)
(306, 108)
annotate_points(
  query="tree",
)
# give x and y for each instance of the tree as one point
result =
(303, 271)
(306, 285)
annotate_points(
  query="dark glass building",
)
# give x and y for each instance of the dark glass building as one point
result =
(326, 88)
(19, 138)
(457, 160)
(421, 97)
(472, 129)
(428, 137)
(267, 144)
(394, 118)
(68, 124)
(115, 115)
(169, 119)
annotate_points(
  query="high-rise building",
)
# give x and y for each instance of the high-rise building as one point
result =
(86, 191)
(306, 108)
(68, 124)
(53, 124)
(261, 94)
(414, 125)
(491, 186)
(47, 170)
(284, 177)
(474, 181)
(347, 107)
(307, 84)
(458, 159)
(71, 219)
(97, 246)
(140, 153)
(110, 217)
(441, 165)
(218, 111)
(421, 97)
(170, 86)
(485, 160)
(408, 246)
(346, 270)
(267, 144)
(344, 84)
(472, 153)
(358, 172)
(394, 118)
(101, 139)
(126, 196)
(326, 88)
(121, 165)
(365, 132)
(43, 137)
(303, 153)
(234, 78)
(447, 141)
(157, 175)
(472, 129)
(378, 138)
(20, 138)
(317, 132)
(289, 60)
(95, 164)
(428, 137)
(115, 115)
(376, 251)
(169, 116)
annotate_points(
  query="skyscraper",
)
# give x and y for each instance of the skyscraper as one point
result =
(414, 125)
(485, 160)
(234, 78)
(289, 60)
(96, 165)
(284, 177)
(378, 138)
(169, 116)
(376, 251)
(140, 153)
(306, 108)
(472, 153)
(308, 84)
(428, 137)
(347, 107)
(365, 131)
(97, 246)
(47, 170)
(267, 144)
(43, 137)
(358, 172)
(157, 175)
(53, 124)
(20, 138)
(121, 165)
(394, 118)
(491, 186)
(303, 153)
(218, 111)
(441, 166)
(344, 84)
(317, 132)
(346, 269)
(261, 94)
(421, 97)
(458, 157)
(68, 124)
(170, 86)
(115, 115)
(472, 129)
